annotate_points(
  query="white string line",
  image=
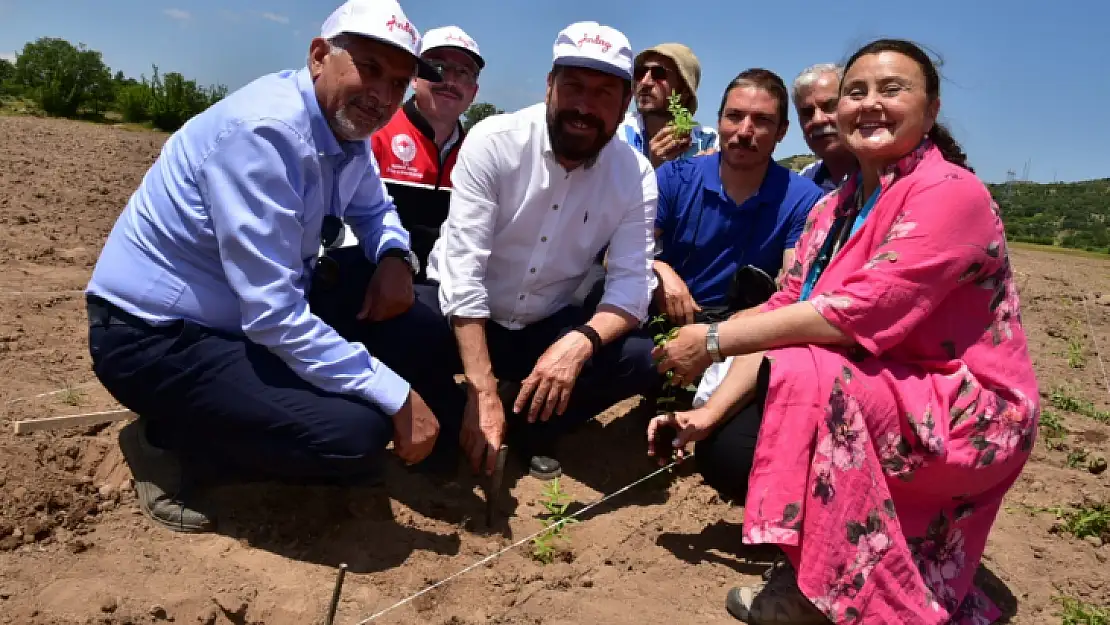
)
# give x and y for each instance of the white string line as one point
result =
(1094, 341)
(520, 542)
(47, 394)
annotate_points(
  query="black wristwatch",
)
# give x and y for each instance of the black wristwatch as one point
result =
(408, 256)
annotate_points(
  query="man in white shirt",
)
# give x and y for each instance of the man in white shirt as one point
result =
(537, 194)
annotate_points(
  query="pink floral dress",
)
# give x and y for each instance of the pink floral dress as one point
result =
(880, 469)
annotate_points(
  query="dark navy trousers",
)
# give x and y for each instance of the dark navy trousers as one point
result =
(234, 408)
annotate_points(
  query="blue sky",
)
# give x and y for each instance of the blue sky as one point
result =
(1023, 81)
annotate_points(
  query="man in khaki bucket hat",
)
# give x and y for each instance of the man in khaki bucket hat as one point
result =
(657, 71)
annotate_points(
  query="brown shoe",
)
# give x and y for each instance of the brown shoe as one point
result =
(156, 477)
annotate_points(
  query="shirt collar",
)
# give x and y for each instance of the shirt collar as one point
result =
(326, 142)
(421, 123)
(711, 179)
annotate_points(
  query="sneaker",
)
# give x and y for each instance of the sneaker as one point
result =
(157, 480)
(778, 601)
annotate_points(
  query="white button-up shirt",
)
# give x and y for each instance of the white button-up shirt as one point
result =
(522, 231)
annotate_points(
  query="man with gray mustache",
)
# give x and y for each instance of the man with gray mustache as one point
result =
(208, 314)
(816, 93)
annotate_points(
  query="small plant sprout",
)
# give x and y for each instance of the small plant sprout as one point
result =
(71, 395)
(683, 121)
(661, 337)
(556, 520)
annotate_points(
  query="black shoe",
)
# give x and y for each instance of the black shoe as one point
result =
(157, 479)
(533, 446)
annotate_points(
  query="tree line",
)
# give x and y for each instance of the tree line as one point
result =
(66, 80)
(1067, 214)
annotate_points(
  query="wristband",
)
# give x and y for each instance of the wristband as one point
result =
(595, 338)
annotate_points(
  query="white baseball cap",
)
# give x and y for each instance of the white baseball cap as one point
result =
(593, 46)
(384, 21)
(452, 37)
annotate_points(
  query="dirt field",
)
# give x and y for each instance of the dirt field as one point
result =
(74, 549)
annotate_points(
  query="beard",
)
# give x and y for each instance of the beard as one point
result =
(571, 146)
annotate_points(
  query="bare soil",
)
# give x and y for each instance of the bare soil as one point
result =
(74, 548)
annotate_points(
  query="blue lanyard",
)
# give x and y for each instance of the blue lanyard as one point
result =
(827, 251)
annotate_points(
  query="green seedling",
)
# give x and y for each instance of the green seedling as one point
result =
(71, 395)
(556, 520)
(660, 340)
(1077, 359)
(1076, 612)
(683, 121)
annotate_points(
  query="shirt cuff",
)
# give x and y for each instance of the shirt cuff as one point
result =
(387, 389)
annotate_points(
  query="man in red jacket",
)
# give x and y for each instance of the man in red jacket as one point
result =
(417, 148)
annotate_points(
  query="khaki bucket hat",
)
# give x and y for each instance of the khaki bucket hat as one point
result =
(689, 68)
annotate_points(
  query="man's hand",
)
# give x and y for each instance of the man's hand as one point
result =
(664, 146)
(415, 430)
(483, 427)
(390, 291)
(672, 296)
(552, 379)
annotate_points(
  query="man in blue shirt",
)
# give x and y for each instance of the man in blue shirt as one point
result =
(205, 306)
(720, 213)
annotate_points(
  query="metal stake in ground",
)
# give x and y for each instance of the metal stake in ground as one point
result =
(335, 593)
(494, 492)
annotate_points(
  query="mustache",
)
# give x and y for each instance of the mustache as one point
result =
(587, 119)
(368, 105)
(741, 143)
(823, 130)
(449, 90)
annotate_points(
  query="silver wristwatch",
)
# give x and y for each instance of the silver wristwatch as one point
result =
(713, 343)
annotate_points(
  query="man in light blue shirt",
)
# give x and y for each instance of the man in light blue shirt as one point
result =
(657, 72)
(210, 315)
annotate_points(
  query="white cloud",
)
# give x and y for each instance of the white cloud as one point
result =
(274, 17)
(178, 14)
(8, 56)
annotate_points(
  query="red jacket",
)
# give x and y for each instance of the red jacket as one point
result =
(416, 175)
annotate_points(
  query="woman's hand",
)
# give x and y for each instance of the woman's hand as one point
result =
(690, 426)
(686, 354)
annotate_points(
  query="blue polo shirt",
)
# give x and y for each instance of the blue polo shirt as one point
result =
(705, 236)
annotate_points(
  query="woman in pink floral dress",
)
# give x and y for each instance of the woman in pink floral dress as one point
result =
(898, 402)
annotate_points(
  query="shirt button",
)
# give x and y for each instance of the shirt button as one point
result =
(522, 296)
(555, 207)
(543, 239)
(532, 270)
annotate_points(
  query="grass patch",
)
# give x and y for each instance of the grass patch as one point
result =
(1056, 249)
(1076, 612)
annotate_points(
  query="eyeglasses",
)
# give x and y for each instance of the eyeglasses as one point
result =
(658, 72)
(463, 74)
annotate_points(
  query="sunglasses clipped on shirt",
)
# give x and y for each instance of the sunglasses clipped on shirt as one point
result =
(658, 72)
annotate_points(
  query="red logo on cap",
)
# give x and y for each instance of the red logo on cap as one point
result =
(402, 25)
(467, 43)
(597, 40)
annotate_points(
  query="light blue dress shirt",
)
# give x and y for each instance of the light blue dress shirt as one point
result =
(224, 231)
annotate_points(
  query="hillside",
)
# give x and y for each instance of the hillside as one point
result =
(1064, 214)
(1067, 214)
(797, 162)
